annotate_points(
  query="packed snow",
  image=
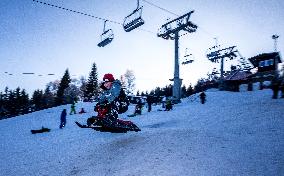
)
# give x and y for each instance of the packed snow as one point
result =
(233, 133)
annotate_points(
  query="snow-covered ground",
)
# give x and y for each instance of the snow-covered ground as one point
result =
(232, 134)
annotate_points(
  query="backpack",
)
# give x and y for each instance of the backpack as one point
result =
(122, 102)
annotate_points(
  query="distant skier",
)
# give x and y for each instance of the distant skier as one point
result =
(164, 99)
(149, 102)
(82, 111)
(138, 108)
(169, 104)
(282, 88)
(111, 102)
(73, 110)
(202, 97)
(275, 84)
(63, 119)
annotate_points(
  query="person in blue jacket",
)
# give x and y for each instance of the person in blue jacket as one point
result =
(63, 119)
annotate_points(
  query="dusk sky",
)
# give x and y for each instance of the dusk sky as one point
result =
(44, 40)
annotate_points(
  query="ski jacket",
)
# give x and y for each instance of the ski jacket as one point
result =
(111, 94)
(63, 115)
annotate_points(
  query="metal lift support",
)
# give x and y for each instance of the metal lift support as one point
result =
(171, 30)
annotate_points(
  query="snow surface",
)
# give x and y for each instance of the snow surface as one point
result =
(234, 133)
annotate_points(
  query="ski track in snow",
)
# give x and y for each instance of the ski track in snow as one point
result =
(231, 134)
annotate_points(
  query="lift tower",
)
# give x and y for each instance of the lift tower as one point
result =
(171, 30)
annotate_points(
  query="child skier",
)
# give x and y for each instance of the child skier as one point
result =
(73, 110)
(111, 102)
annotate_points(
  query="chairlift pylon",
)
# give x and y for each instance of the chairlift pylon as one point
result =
(106, 36)
(134, 20)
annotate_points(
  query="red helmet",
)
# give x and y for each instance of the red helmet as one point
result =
(108, 77)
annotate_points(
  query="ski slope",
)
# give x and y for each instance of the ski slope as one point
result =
(233, 133)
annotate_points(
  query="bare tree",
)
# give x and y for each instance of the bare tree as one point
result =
(129, 82)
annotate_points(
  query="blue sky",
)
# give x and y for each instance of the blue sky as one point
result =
(41, 39)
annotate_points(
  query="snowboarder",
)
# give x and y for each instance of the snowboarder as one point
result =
(63, 119)
(111, 102)
(73, 110)
(202, 97)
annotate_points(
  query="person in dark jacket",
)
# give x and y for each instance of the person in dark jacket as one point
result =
(149, 102)
(275, 84)
(202, 97)
(63, 119)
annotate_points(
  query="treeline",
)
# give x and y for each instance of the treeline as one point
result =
(65, 91)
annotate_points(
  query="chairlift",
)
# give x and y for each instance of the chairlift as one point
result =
(28, 73)
(134, 20)
(188, 58)
(106, 36)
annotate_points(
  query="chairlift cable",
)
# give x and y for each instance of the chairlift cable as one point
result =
(89, 15)
(77, 12)
(160, 7)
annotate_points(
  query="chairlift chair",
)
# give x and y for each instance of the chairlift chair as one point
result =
(106, 36)
(188, 58)
(134, 20)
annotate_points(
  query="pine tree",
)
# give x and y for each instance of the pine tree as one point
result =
(37, 100)
(92, 84)
(183, 91)
(189, 90)
(24, 102)
(64, 83)
(5, 101)
(48, 97)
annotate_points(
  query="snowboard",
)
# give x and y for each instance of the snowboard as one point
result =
(42, 130)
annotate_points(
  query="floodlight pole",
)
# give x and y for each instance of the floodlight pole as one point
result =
(275, 37)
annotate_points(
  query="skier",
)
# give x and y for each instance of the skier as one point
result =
(275, 84)
(63, 119)
(73, 110)
(149, 102)
(138, 108)
(169, 105)
(82, 111)
(202, 97)
(111, 102)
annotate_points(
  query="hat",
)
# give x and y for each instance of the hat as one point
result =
(108, 77)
